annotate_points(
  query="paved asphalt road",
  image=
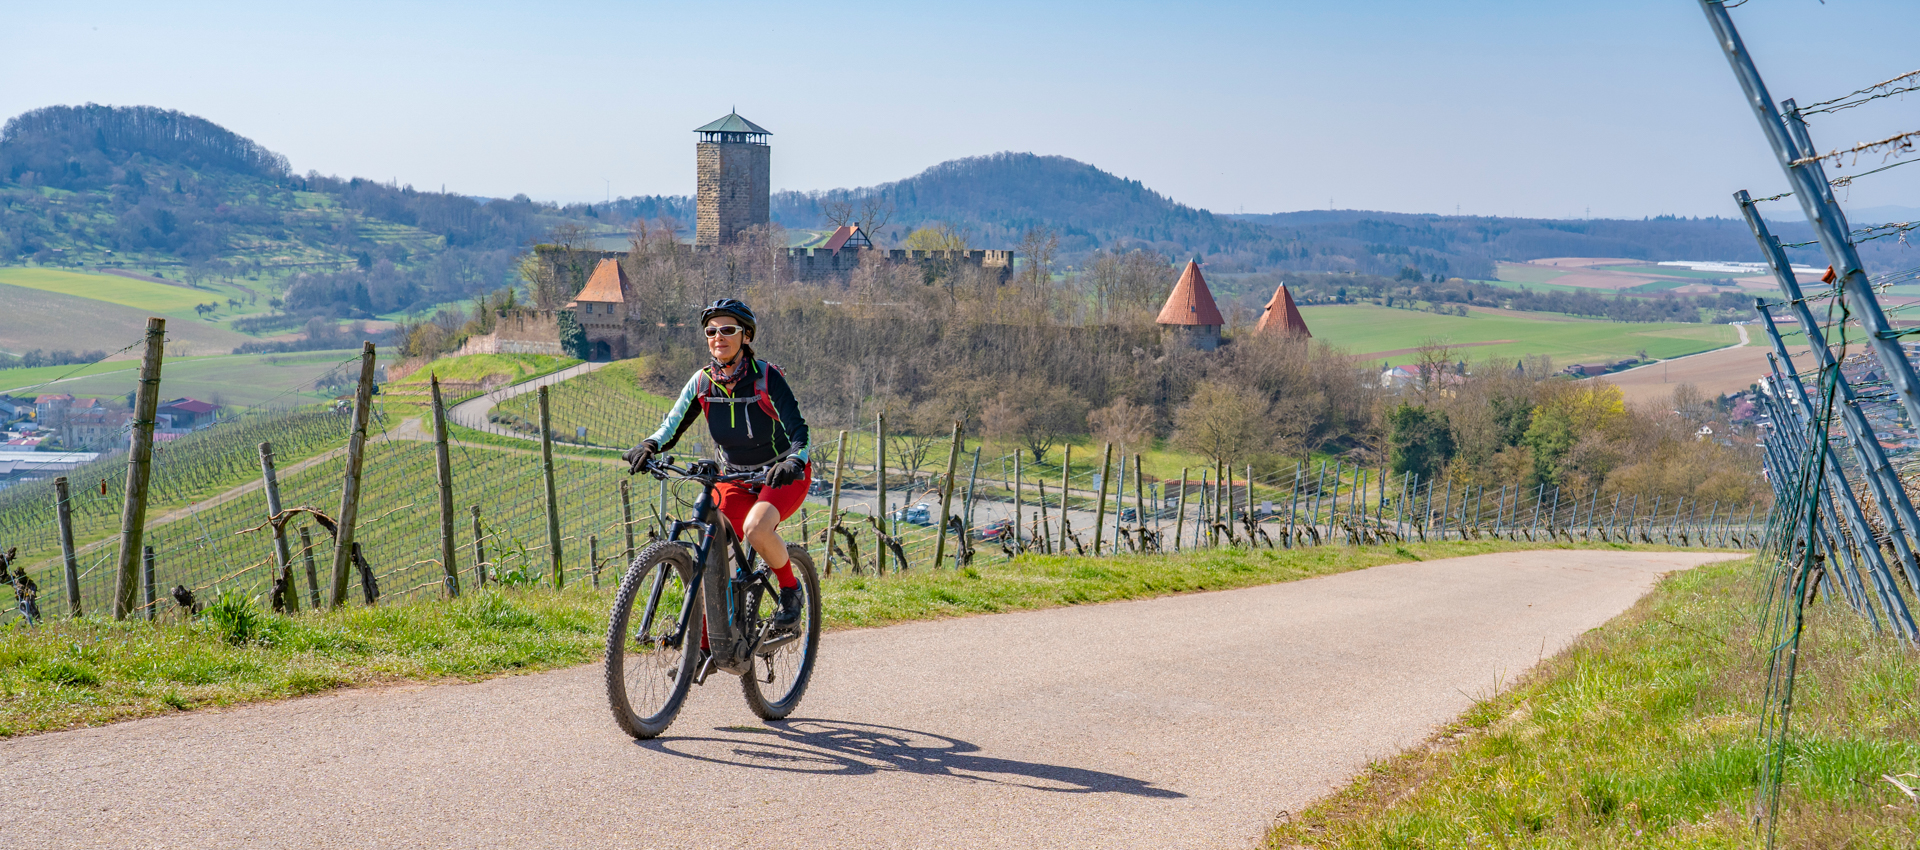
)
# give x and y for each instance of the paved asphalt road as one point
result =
(1187, 721)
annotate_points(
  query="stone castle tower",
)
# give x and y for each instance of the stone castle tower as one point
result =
(734, 189)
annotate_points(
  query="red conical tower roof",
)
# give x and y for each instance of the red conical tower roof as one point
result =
(1191, 302)
(1281, 316)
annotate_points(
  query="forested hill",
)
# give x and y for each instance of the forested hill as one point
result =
(996, 198)
(152, 188)
(155, 189)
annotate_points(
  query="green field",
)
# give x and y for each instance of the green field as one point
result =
(1667, 271)
(1367, 330)
(1523, 273)
(113, 289)
(239, 380)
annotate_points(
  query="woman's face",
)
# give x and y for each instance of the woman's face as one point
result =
(724, 348)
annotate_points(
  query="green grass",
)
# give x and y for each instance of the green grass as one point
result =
(237, 380)
(113, 289)
(82, 672)
(608, 402)
(1643, 734)
(1366, 329)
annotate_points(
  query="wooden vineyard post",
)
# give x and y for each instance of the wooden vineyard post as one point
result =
(350, 485)
(270, 481)
(479, 551)
(147, 580)
(973, 477)
(1100, 503)
(593, 559)
(1019, 502)
(1180, 513)
(443, 472)
(1140, 504)
(553, 498)
(946, 500)
(1066, 463)
(833, 501)
(133, 507)
(626, 518)
(1046, 540)
(880, 488)
(313, 569)
(1250, 517)
(63, 514)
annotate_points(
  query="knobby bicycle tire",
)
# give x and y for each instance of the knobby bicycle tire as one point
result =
(640, 667)
(790, 675)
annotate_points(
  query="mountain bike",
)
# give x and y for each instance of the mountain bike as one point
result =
(689, 609)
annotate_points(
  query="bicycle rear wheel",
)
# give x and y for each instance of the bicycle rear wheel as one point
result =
(780, 674)
(649, 667)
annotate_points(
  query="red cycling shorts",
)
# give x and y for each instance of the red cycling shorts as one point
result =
(736, 499)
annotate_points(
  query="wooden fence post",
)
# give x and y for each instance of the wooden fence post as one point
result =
(133, 507)
(146, 579)
(553, 498)
(1100, 509)
(1180, 513)
(946, 499)
(593, 559)
(1019, 501)
(313, 570)
(880, 477)
(1066, 462)
(270, 481)
(626, 519)
(479, 551)
(350, 485)
(443, 472)
(973, 477)
(833, 501)
(1140, 502)
(63, 514)
(1046, 540)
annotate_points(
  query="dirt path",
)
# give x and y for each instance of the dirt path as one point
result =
(1187, 721)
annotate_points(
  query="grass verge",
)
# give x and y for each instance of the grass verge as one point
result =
(68, 673)
(1643, 734)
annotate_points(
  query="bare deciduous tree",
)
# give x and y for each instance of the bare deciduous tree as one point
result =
(1126, 425)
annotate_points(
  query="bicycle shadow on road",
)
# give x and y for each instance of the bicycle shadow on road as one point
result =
(831, 747)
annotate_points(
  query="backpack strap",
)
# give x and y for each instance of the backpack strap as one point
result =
(702, 387)
(760, 389)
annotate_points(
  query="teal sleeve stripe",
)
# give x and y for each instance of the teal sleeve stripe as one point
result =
(670, 427)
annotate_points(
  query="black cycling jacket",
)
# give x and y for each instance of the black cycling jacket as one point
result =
(746, 435)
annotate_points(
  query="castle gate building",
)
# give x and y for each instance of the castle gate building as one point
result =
(734, 192)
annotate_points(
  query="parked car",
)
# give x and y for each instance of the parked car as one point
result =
(1127, 515)
(994, 530)
(819, 487)
(920, 514)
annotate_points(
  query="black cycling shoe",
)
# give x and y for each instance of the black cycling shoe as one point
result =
(789, 612)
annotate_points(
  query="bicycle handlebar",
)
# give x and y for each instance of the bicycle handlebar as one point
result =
(660, 469)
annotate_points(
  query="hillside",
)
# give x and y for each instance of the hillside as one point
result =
(171, 194)
(178, 196)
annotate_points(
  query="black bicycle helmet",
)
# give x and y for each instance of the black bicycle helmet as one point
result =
(730, 307)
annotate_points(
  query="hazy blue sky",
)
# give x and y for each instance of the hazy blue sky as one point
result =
(1531, 108)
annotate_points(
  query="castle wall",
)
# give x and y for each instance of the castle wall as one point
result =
(519, 332)
(822, 264)
(734, 191)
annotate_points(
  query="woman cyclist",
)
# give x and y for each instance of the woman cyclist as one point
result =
(753, 418)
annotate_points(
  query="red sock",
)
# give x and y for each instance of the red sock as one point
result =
(784, 572)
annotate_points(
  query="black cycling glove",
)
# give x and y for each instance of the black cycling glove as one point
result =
(638, 456)
(787, 471)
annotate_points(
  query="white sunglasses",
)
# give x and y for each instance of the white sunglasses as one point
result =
(722, 330)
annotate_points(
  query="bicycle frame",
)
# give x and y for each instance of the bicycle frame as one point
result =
(725, 618)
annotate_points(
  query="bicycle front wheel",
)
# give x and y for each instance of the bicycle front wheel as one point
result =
(649, 667)
(783, 665)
